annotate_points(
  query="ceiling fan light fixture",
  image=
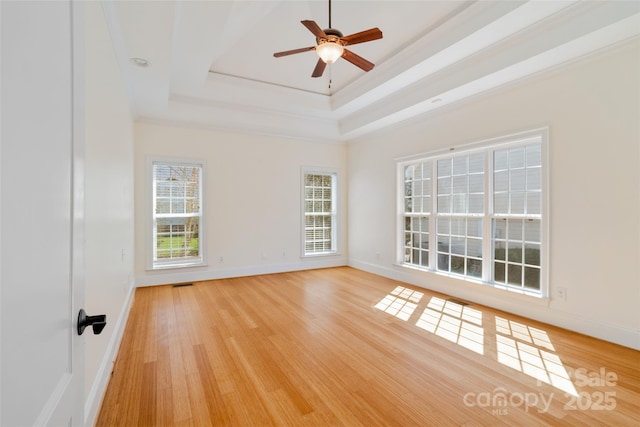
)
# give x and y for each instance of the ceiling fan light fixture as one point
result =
(329, 51)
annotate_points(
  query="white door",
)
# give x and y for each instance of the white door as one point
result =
(41, 205)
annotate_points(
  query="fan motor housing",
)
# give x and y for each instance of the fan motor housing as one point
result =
(333, 35)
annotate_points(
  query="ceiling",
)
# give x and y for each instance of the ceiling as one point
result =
(211, 63)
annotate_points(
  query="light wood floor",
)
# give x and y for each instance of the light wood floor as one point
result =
(344, 347)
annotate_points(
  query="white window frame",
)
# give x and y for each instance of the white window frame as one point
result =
(488, 147)
(195, 261)
(335, 176)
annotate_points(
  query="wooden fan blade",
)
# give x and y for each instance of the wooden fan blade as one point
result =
(362, 36)
(357, 60)
(291, 52)
(320, 66)
(315, 29)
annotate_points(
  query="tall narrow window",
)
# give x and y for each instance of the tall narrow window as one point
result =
(417, 207)
(177, 214)
(460, 209)
(517, 200)
(320, 212)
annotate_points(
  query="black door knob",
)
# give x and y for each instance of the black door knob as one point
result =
(97, 322)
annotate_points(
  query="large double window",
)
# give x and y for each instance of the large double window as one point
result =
(176, 214)
(478, 213)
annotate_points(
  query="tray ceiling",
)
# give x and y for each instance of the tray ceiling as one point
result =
(211, 63)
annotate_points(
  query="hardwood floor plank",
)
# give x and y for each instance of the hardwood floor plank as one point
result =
(343, 347)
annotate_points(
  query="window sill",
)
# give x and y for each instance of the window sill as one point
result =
(520, 293)
(176, 266)
(320, 254)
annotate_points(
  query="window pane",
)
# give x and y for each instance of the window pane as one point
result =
(459, 203)
(163, 189)
(532, 254)
(501, 160)
(476, 183)
(458, 226)
(474, 227)
(534, 155)
(424, 224)
(517, 202)
(501, 181)
(474, 248)
(177, 206)
(476, 163)
(533, 203)
(474, 267)
(426, 188)
(458, 246)
(416, 204)
(444, 226)
(500, 251)
(514, 252)
(516, 158)
(443, 262)
(499, 272)
(476, 203)
(417, 188)
(514, 274)
(444, 167)
(500, 228)
(501, 203)
(460, 184)
(408, 204)
(424, 258)
(444, 204)
(426, 204)
(534, 179)
(532, 277)
(460, 165)
(444, 185)
(163, 206)
(517, 180)
(532, 230)
(457, 264)
(515, 229)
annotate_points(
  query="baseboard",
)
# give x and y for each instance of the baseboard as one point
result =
(541, 310)
(94, 399)
(165, 277)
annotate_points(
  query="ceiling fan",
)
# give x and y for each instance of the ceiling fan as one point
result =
(330, 45)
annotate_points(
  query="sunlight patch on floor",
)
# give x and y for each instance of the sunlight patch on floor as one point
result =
(454, 322)
(521, 347)
(401, 302)
(525, 349)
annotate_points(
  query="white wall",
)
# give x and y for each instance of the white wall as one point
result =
(251, 200)
(593, 112)
(109, 202)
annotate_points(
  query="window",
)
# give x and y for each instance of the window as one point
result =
(176, 214)
(417, 210)
(460, 205)
(477, 214)
(516, 225)
(319, 207)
